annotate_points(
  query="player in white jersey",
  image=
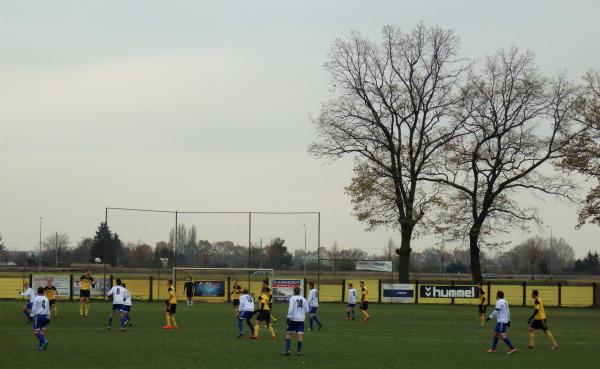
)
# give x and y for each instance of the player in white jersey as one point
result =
(297, 310)
(502, 314)
(245, 312)
(118, 294)
(313, 306)
(126, 307)
(28, 293)
(352, 294)
(40, 313)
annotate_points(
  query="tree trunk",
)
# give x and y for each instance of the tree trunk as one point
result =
(474, 251)
(404, 253)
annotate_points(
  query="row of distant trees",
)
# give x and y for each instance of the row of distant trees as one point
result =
(445, 145)
(534, 256)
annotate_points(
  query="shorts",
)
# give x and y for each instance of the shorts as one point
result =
(246, 315)
(264, 316)
(313, 310)
(501, 327)
(295, 327)
(189, 296)
(40, 321)
(482, 308)
(364, 306)
(171, 308)
(52, 302)
(539, 324)
(117, 307)
(126, 308)
(29, 305)
(84, 293)
(236, 302)
(351, 306)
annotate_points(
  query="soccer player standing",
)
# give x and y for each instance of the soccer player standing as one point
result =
(126, 307)
(40, 313)
(502, 314)
(171, 303)
(188, 289)
(264, 313)
(538, 321)
(28, 292)
(352, 294)
(364, 301)
(51, 293)
(236, 292)
(482, 303)
(245, 312)
(86, 283)
(313, 305)
(297, 310)
(118, 294)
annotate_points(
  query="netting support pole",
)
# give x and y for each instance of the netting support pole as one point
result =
(249, 246)
(104, 256)
(319, 250)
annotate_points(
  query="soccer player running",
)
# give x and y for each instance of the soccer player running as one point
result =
(236, 292)
(188, 290)
(40, 314)
(52, 293)
(118, 294)
(502, 314)
(297, 310)
(171, 303)
(126, 307)
(245, 312)
(264, 313)
(482, 303)
(313, 306)
(364, 301)
(538, 321)
(28, 292)
(352, 294)
(86, 283)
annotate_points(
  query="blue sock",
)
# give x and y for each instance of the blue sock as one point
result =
(348, 313)
(316, 320)
(240, 325)
(123, 320)
(40, 337)
(495, 342)
(299, 347)
(288, 344)
(509, 343)
(251, 325)
(110, 318)
(353, 313)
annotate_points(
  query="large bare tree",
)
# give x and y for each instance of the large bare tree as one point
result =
(517, 122)
(57, 245)
(389, 111)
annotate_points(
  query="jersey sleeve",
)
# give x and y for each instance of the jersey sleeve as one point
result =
(36, 306)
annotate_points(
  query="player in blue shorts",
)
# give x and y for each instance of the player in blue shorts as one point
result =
(313, 306)
(245, 312)
(502, 315)
(126, 307)
(352, 294)
(28, 293)
(118, 294)
(297, 310)
(40, 312)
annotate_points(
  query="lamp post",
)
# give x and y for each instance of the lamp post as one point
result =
(304, 262)
(40, 253)
(551, 250)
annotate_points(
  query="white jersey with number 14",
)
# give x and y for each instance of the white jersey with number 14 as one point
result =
(297, 309)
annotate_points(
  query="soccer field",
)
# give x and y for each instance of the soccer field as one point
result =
(398, 336)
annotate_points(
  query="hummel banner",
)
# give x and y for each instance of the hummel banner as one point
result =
(455, 292)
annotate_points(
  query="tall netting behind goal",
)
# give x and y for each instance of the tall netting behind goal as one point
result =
(216, 284)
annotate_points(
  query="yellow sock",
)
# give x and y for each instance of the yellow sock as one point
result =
(80, 309)
(173, 322)
(481, 320)
(531, 338)
(55, 311)
(366, 314)
(551, 336)
(168, 318)
(87, 308)
(256, 328)
(272, 331)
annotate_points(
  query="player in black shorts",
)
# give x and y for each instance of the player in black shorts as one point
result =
(188, 290)
(236, 292)
(482, 303)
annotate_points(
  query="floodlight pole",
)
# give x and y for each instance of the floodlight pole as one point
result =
(249, 246)
(104, 253)
(304, 261)
(40, 255)
(319, 249)
(551, 251)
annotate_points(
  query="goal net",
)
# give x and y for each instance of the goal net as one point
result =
(216, 284)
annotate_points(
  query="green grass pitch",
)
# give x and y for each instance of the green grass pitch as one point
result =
(398, 336)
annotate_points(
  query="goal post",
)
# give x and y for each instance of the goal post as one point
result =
(214, 284)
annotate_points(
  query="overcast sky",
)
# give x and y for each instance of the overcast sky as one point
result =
(204, 106)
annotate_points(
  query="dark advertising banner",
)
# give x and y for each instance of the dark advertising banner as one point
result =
(209, 288)
(454, 292)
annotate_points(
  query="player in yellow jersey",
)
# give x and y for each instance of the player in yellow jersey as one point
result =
(364, 301)
(264, 313)
(538, 321)
(171, 303)
(51, 293)
(86, 283)
(265, 284)
(482, 303)
(236, 292)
